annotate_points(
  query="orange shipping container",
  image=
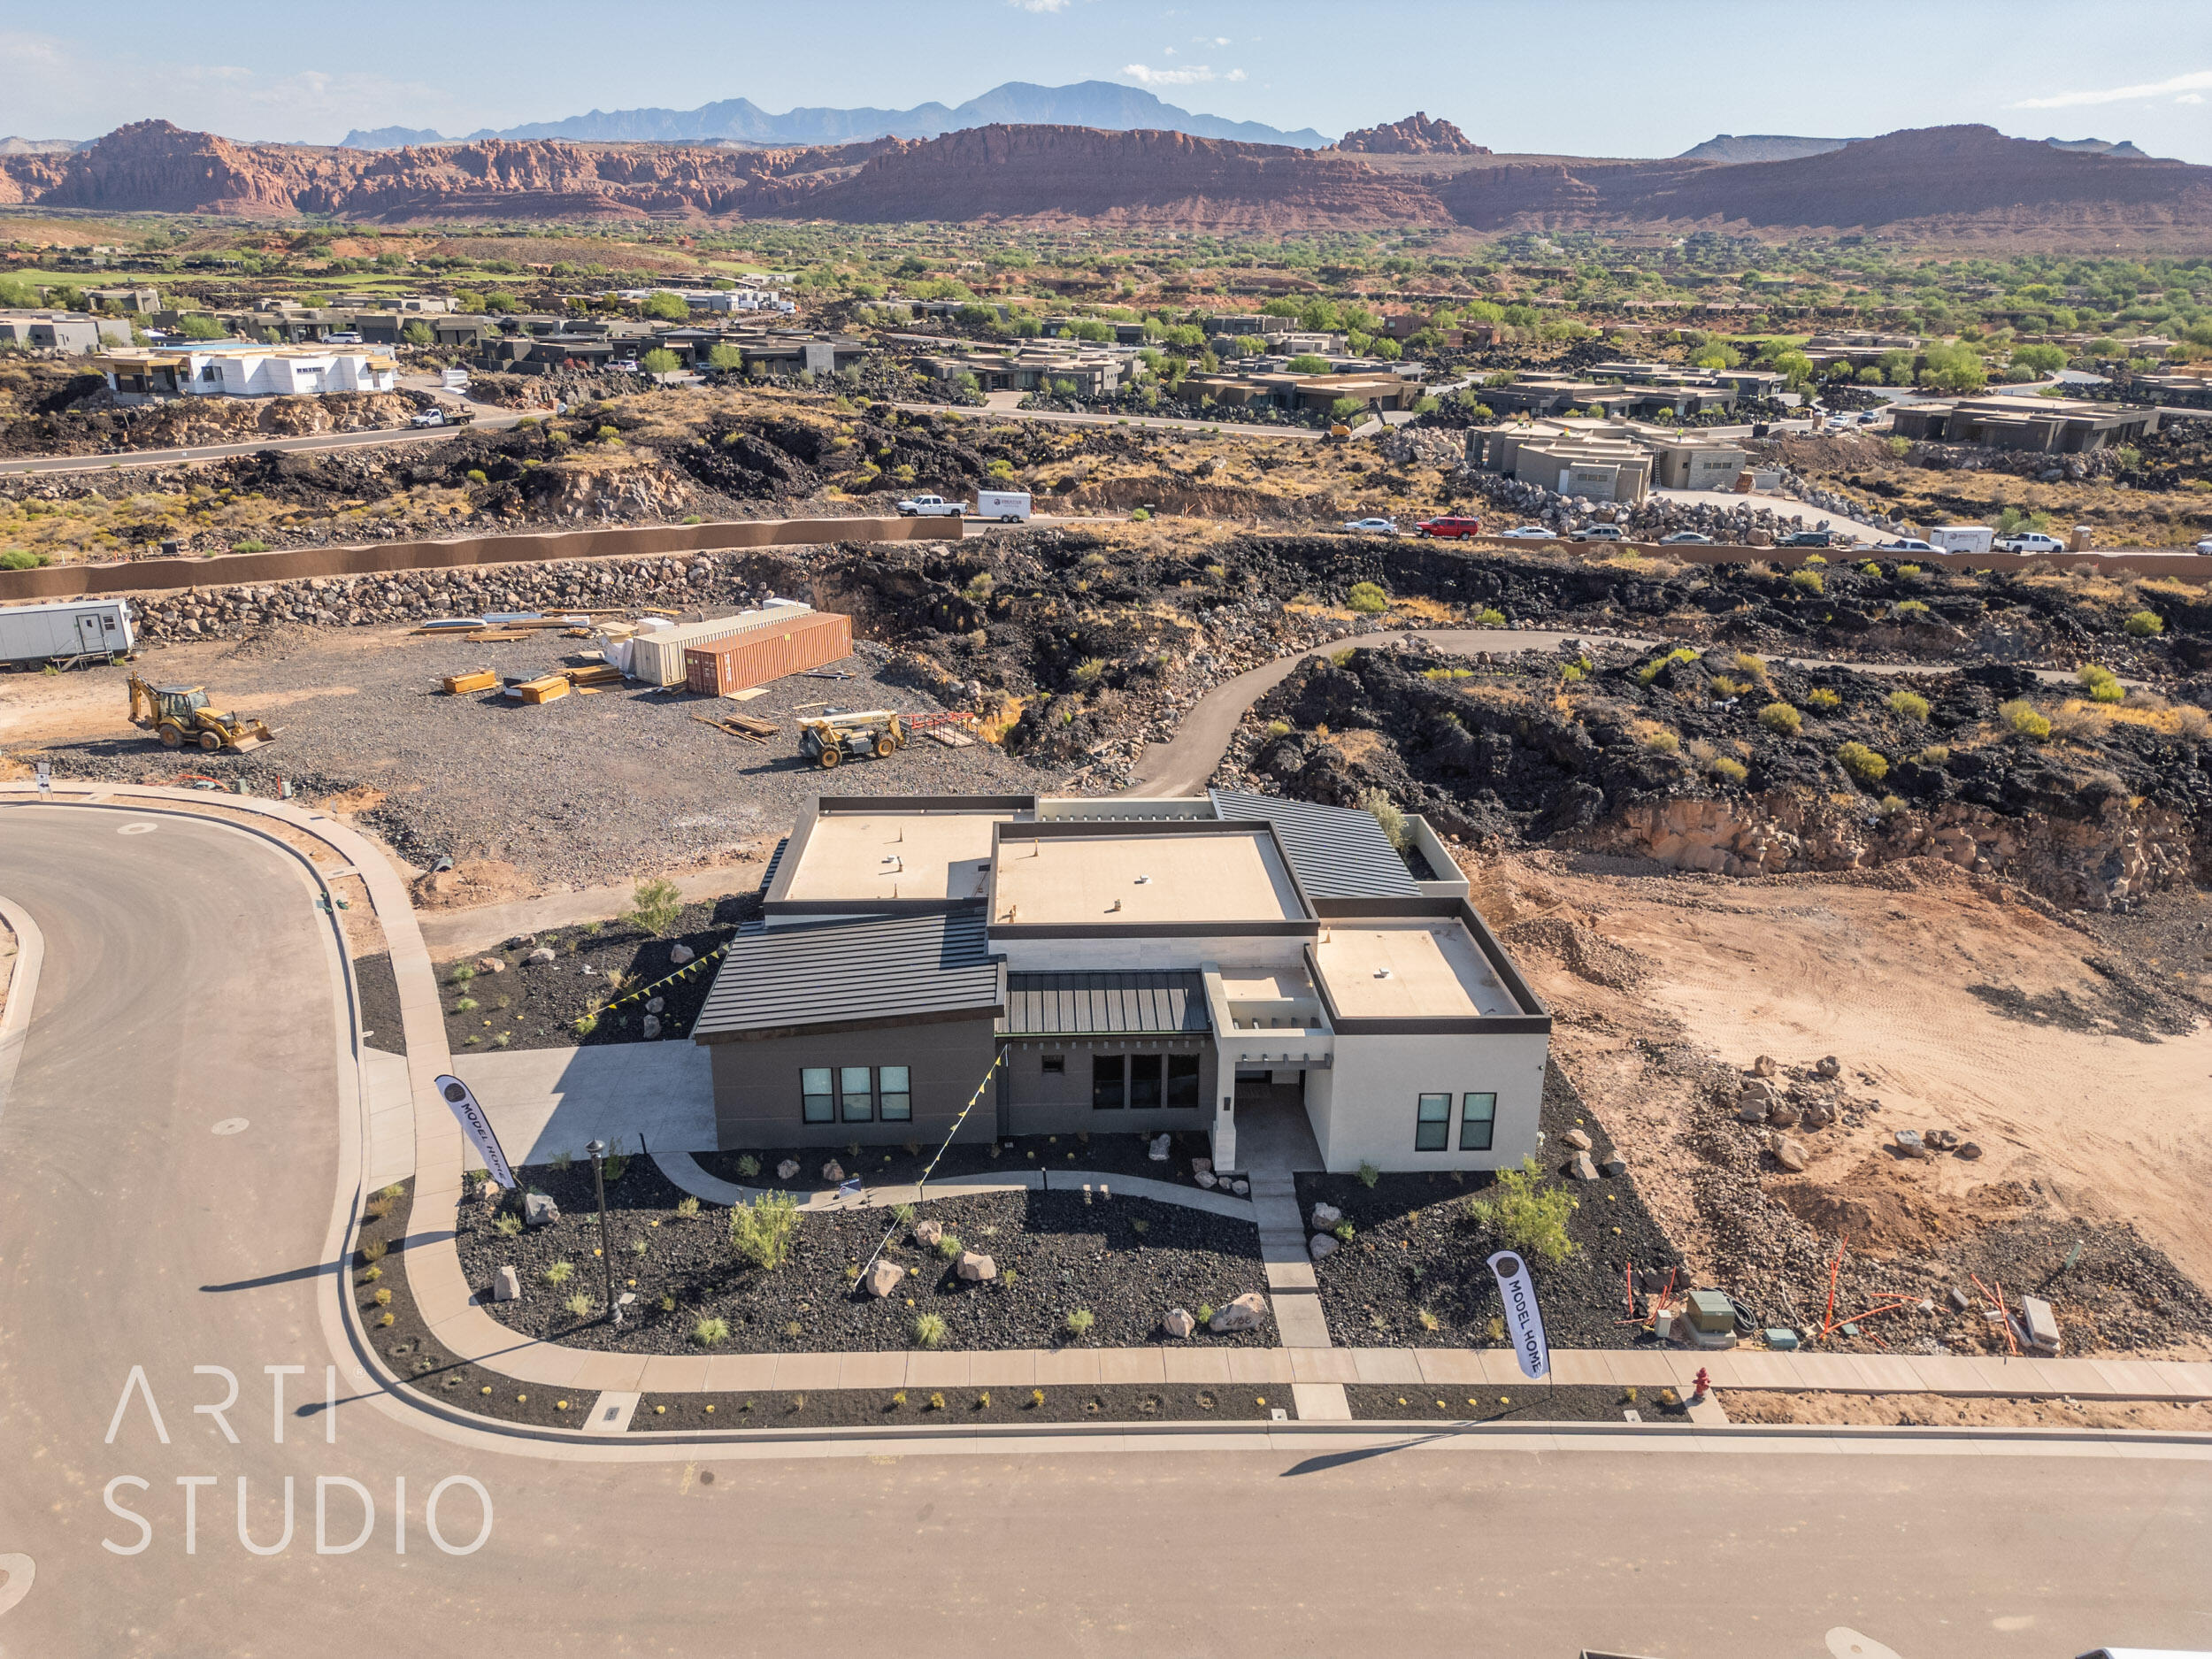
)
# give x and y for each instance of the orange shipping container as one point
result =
(760, 655)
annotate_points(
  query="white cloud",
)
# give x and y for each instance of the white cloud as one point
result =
(2190, 98)
(1041, 5)
(1191, 75)
(2196, 80)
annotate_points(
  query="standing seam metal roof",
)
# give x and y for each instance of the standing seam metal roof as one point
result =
(889, 969)
(1153, 1003)
(1338, 852)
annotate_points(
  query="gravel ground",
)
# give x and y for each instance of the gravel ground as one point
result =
(381, 1025)
(536, 1004)
(895, 1166)
(1524, 1402)
(1055, 1253)
(1415, 1248)
(955, 1408)
(579, 791)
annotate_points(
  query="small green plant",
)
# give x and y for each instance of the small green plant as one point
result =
(639, 1247)
(564, 1160)
(507, 1225)
(1658, 740)
(656, 903)
(1343, 1231)
(1205, 1313)
(2022, 717)
(929, 1330)
(1367, 599)
(1036, 1398)
(1142, 515)
(558, 1273)
(579, 1305)
(1822, 699)
(904, 1214)
(1429, 1321)
(1384, 811)
(1908, 705)
(1527, 1214)
(462, 974)
(586, 1023)
(1651, 670)
(383, 1298)
(1807, 581)
(1139, 1226)
(2101, 684)
(2143, 624)
(1862, 763)
(668, 1302)
(687, 1207)
(1369, 1175)
(748, 1166)
(368, 1276)
(1911, 609)
(1489, 617)
(761, 1231)
(1934, 755)
(899, 1399)
(500, 1040)
(708, 1332)
(1909, 571)
(477, 475)
(249, 547)
(949, 1248)
(372, 1253)
(1080, 1321)
(936, 1402)
(1781, 719)
(465, 1005)
(16, 558)
(1728, 767)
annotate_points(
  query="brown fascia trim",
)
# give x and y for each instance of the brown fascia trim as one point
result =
(1509, 975)
(1000, 932)
(1079, 829)
(830, 1027)
(950, 805)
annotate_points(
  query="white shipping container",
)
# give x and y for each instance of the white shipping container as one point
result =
(657, 658)
(1960, 538)
(61, 629)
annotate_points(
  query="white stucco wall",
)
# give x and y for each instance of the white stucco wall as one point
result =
(1364, 1108)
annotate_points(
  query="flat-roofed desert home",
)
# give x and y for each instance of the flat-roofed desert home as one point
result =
(1137, 965)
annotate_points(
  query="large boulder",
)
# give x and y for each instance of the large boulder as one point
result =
(681, 953)
(882, 1277)
(1829, 1066)
(1577, 1138)
(928, 1232)
(1789, 1154)
(543, 953)
(787, 1169)
(832, 1170)
(1245, 1313)
(1582, 1169)
(975, 1268)
(1157, 1151)
(1325, 1216)
(506, 1286)
(1179, 1324)
(540, 1210)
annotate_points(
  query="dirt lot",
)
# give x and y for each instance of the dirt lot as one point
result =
(1948, 1007)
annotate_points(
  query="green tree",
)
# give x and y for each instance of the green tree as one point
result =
(417, 335)
(660, 360)
(2039, 359)
(664, 307)
(724, 357)
(1306, 363)
(501, 304)
(198, 328)
(1717, 356)
(657, 905)
(1953, 368)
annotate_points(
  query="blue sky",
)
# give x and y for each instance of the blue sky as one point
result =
(1583, 77)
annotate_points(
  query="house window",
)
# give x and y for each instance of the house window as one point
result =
(814, 1095)
(1433, 1123)
(892, 1094)
(853, 1090)
(1478, 1117)
(1144, 1082)
(1055, 1064)
(1182, 1081)
(1108, 1071)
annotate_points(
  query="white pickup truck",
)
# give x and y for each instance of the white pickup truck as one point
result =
(932, 507)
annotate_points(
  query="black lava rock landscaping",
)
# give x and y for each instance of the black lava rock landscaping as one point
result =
(1055, 1254)
(536, 1004)
(1526, 1402)
(379, 986)
(1415, 1249)
(959, 1408)
(1109, 1155)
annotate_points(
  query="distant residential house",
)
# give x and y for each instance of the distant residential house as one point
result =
(2058, 425)
(232, 369)
(71, 332)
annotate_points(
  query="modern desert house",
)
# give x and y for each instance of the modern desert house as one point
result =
(1128, 964)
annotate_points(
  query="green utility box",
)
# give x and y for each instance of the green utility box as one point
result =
(1711, 1312)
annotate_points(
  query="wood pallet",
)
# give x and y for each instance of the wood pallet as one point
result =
(740, 725)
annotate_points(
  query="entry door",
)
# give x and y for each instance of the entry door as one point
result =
(90, 637)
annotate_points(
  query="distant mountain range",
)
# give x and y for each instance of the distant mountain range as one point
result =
(38, 146)
(1100, 104)
(1733, 151)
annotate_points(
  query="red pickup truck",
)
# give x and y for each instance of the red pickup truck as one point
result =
(1450, 525)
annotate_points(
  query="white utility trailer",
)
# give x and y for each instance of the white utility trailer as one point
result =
(65, 632)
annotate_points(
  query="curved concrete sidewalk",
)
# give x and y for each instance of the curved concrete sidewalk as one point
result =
(441, 1293)
(682, 1169)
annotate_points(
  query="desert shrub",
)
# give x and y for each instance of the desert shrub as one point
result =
(748, 1166)
(2100, 683)
(1367, 599)
(1724, 686)
(1752, 664)
(579, 1305)
(1822, 699)
(949, 1248)
(1911, 609)
(687, 1207)
(1140, 516)
(1489, 617)
(2143, 624)
(1862, 763)
(1386, 814)
(558, 1273)
(656, 905)
(1525, 1214)
(1908, 705)
(1657, 740)
(17, 558)
(1369, 1175)
(249, 547)
(462, 974)
(465, 1005)
(1869, 568)
(1807, 581)
(708, 1332)
(929, 1330)
(1934, 755)
(761, 1231)
(1782, 718)
(1080, 1321)
(2081, 722)
(1651, 670)
(1892, 805)
(477, 475)
(586, 1023)
(1733, 770)
(508, 1226)
(2021, 716)
(2193, 723)
(1089, 670)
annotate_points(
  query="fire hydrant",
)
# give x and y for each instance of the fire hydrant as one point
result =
(1704, 1382)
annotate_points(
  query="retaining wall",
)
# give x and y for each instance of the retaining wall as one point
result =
(160, 575)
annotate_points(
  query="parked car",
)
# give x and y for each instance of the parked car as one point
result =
(1372, 526)
(1808, 538)
(1685, 538)
(1527, 532)
(931, 507)
(1904, 544)
(2036, 542)
(1450, 523)
(1596, 532)
(2204, 546)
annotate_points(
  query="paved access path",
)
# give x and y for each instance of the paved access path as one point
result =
(126, 459)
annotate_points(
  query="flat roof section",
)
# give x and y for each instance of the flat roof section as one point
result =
(863, 857)
(1143, 880)
(1411, 968)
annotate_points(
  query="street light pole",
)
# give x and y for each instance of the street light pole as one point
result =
(598, 1150)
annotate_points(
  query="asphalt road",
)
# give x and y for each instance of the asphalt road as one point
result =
(221, 452)
(189, 982)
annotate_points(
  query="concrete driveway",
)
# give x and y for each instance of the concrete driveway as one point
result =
(544, 1100)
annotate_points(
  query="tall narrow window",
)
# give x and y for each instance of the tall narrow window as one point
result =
(1433, 1123)
(1144, 1082)
(892, 1093)
(853, 1089)
(1108, 1071)
(814, 1095)
(1182, 1081)
(1478, 1117)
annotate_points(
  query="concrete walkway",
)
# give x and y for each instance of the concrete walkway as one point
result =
(544, 1100)
(683, 1169)
(1274, 1142)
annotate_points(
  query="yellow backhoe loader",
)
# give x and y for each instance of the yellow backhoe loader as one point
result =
(179, 715)
(827, 740)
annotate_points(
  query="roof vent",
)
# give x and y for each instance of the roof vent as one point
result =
(1142, 881)
(1382, 973)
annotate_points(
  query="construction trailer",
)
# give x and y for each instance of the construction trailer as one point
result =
(65, 631)
(721, 667)
(657, 657)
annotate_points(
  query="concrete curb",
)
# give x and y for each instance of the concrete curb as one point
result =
(15, 1019)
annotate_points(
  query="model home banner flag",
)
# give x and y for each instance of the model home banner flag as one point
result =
(1517, 1291)
(478, 1128)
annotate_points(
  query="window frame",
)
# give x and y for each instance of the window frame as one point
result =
(828, 1094)
(1424, 1124)
(1120, 1063)
(903, 1111)
(865, 1093)
(1489, 1120)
